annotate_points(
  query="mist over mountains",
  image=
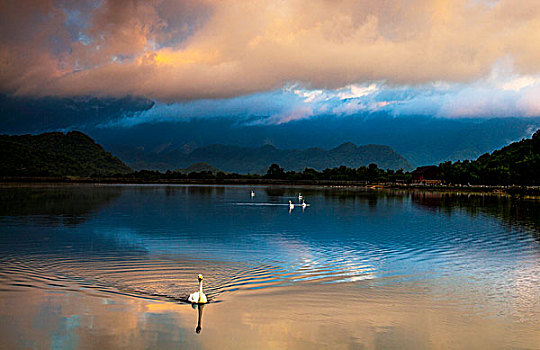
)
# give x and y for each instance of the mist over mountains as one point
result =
(420, 139)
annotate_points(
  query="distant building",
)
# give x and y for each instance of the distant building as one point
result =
(427, 175)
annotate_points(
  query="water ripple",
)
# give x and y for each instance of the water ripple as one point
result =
(159, 248)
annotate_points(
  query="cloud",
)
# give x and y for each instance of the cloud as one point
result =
(172, 50)
(501, 94)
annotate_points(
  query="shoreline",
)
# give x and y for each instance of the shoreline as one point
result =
(513, 191)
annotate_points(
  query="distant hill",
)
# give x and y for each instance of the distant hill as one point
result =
(257, 160)
(517, 163)
(56, 154)
(199, 167)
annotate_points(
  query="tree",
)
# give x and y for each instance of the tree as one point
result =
(275, 172)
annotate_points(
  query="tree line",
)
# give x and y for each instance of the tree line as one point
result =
(371, 173)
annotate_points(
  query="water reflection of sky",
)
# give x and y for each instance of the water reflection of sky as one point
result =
(474, 249)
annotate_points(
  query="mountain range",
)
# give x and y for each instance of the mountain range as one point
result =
(257, 160)
(131, 125)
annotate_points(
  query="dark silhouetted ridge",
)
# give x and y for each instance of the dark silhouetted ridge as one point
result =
(56, 154)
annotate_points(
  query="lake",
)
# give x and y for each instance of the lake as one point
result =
(111, 266)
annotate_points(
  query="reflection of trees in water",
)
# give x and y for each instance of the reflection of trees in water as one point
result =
(276, 194)
(272, 191)
(58, 205)
(342, 196)
(173, 190)
(50, 218)
(513, 212)
(371, 198)
(348, 198)
(204, 191)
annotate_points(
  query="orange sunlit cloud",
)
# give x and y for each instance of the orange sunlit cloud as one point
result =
(177, 50)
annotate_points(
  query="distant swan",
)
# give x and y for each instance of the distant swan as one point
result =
(252, 194)
(304, 204)
(198, 297)
(291, 205)
(300, 196)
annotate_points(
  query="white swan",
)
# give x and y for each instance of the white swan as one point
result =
(300, 196)
(291, 205)
(198, 297)
(252, 194)
(304, 204)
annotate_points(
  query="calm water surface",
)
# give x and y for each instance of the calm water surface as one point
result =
(107, 266)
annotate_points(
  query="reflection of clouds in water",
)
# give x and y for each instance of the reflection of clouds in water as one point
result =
(123, 236)
(496, 267)
(523, 301)
(152, 240)
(300, 261)
(291, 255)
(303, 317)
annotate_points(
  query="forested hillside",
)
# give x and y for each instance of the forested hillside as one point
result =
(56, 154)
(517, 163)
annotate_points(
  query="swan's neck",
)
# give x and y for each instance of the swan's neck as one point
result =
(200, 289)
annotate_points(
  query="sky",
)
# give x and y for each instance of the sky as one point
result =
(272, 62)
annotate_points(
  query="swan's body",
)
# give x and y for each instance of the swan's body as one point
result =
(304, 204)
(300, 196)
(198, 297)
(252, 194)
(291, 205)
